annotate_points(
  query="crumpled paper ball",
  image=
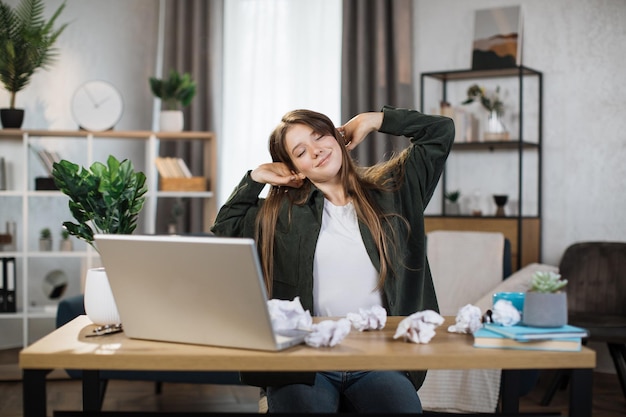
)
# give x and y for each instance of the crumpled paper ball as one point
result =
(468, 320)
(328, 333)
(373, 318)
(505, 314)
(419, 327)
(289, 315)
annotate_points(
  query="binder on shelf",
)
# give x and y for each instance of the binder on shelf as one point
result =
(3, 286)
(9, 264)
(7, 292)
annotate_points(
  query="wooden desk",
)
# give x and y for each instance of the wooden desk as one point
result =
(68, 348)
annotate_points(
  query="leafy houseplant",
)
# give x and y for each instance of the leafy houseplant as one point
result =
(489, 102)
(26, 44)
(495, 129)
(103, 199)
(175, 92)
(545, 304)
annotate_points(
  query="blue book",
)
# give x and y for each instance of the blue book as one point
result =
(523, 333)
(484, 338)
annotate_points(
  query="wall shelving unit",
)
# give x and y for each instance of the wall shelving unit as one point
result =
(523, 229)
(33, 209)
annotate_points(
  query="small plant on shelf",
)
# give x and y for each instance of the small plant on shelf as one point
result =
(45, 240)
(453, 196)
(547, 282)
(176, 91)
(66, 244)
(491, 102)
(103, 199)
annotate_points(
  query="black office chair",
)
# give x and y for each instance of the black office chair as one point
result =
(596, 290)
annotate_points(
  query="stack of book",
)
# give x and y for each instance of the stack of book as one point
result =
(176, 176)
(47, 158)
(565, 338)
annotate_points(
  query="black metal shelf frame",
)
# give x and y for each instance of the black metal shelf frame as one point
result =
(520, 145)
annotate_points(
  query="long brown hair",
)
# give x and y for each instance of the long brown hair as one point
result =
(358, 182)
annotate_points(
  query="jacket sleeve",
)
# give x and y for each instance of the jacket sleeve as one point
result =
(236, 218)
(431, 141)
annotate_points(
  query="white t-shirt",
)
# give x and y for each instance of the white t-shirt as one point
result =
(344, 278)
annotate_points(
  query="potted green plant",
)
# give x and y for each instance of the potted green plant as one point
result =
(495, 129)
(103, 199)
(45, 240)
(545, 304)
(452, 202)
(26, 44)
(175, 92)
(65, 245)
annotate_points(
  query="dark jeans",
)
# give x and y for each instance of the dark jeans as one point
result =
(358, 392)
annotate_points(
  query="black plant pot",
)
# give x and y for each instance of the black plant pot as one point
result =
(12, 118)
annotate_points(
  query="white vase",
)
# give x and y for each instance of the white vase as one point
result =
(99, 302)
(495, 129)
(171, 121)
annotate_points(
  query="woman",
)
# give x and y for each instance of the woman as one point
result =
(342, 238)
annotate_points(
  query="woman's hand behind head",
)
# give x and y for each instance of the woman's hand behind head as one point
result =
(277, 173)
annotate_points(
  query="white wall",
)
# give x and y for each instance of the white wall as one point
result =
(580, 48)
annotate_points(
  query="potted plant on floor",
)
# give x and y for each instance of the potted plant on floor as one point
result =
(175, 92)
(26, 44)
(545, 305)
(103, 199)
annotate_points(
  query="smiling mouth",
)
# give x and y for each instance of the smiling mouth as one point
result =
(323, 161)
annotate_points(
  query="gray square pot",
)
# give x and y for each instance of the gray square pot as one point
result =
(545, 309)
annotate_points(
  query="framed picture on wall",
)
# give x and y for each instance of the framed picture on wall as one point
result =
(497, 38)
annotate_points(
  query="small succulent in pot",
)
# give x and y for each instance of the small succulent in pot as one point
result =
(545, 305)
(547, 282)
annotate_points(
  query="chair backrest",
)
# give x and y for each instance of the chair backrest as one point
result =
(596, 274)
(464, 265)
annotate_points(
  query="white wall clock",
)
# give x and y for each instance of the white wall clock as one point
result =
(97, 106)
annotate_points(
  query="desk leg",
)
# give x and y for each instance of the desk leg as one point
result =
(34, 392)
(581, 393)
(91, 391)
(509, 391)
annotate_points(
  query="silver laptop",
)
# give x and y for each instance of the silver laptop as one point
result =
(200, 290)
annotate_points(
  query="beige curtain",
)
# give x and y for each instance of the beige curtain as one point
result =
(377, 66)
(192, 43)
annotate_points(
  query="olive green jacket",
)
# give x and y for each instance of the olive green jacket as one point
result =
(409, 287)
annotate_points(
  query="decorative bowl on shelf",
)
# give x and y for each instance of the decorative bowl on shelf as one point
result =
(500, 200)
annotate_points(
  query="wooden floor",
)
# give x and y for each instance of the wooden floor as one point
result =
(65, 394)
